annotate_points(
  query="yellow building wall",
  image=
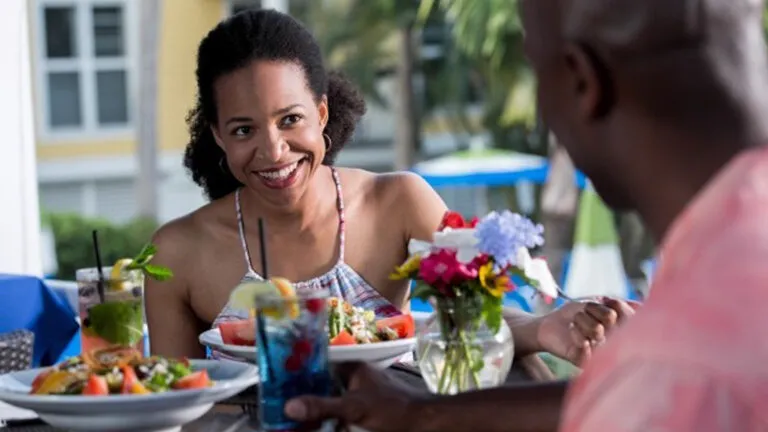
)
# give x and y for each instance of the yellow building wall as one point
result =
(184, 24)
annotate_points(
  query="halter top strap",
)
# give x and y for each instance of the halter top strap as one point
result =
(241, 224)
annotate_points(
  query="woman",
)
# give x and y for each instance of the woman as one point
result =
(268, 124)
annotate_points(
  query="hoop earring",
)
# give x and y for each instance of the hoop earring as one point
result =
(222, 165)
(328, 142)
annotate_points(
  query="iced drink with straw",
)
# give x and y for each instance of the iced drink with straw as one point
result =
(111, 303)
(292, 349)
(117, 320)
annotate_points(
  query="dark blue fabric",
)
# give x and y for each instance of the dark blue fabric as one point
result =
(27, 303)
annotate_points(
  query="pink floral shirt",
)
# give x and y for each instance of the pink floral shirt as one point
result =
(695, 357)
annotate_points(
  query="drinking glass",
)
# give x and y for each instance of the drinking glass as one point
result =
(117, 320)
(292, 351)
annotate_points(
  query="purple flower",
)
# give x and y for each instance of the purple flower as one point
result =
(501, 235)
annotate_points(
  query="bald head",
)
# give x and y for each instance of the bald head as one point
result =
(648, 26)
(662, 55)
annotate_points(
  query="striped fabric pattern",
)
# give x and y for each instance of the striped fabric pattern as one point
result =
(340, 281)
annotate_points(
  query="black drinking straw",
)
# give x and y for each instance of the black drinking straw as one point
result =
(259, 315)
(96, 251)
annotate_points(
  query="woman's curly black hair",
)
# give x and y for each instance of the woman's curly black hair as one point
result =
(234, 43)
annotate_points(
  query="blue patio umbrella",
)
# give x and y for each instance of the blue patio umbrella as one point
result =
(486, 167)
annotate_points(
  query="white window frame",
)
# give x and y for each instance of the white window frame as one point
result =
(86, 64)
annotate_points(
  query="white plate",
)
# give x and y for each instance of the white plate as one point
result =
(129, 413)
(382, 354)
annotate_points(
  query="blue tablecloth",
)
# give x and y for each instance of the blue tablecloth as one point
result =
(27, 303)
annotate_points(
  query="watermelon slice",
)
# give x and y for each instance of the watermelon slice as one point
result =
(231, 332)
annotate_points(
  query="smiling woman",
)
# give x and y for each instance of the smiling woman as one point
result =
(268, 123)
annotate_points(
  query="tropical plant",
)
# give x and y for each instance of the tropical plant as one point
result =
(376, 37)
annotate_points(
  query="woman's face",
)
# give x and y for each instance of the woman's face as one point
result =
(271, 128)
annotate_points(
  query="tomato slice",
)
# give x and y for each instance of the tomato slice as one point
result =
(343, 338)
(96, 386)
(129, 379)
(195, 380)
(402, 324)
(231, 331)
(39, 379)
(131, 383)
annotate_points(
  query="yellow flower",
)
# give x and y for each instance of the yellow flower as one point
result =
(496, 285)
(407, 269)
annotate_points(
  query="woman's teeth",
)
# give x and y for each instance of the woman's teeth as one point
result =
(280, 174)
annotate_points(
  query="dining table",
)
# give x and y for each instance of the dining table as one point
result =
(239, 413)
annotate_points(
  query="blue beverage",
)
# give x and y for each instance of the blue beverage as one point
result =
(292, 355)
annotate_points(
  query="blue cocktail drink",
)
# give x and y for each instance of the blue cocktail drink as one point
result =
(292, 347)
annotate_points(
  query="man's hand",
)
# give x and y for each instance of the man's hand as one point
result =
(373, 401)
(574, 330)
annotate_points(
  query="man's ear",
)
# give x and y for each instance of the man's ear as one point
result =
(589, 82)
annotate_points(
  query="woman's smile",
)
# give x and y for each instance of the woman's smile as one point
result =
(284, 176)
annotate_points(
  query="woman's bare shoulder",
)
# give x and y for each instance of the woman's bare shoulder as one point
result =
(404, 196)
(389, 186)
(180, 236)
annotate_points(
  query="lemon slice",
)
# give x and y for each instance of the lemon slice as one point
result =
(244, 296)
(287, 291)
(284, 287)
(118, 279)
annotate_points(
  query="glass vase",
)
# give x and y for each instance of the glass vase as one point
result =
(457, 352)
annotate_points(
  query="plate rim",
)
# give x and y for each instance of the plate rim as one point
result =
(219, 343)
(249, 377)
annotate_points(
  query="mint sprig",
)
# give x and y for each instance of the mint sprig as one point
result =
(141, 262)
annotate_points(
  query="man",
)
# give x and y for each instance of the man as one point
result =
(662, 104)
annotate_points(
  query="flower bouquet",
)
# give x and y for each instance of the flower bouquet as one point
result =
(467, 269)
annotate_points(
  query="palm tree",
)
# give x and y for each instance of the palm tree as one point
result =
(376, 36)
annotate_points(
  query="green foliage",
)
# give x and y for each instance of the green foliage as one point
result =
(490, 32)
(74, 247)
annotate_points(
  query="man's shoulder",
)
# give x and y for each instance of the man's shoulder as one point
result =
(653, 393)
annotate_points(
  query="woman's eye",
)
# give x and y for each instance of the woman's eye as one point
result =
(290, 120)
(241, 131)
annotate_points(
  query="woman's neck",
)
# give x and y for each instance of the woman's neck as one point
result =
(298, 215)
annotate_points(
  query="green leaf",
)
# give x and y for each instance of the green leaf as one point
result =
(146, 255)
(118, 322)
(158, 273)
(422, 291)
(492, 312)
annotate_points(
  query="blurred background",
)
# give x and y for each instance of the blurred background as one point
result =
(450, 97)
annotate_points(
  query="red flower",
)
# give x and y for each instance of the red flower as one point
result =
(452, 219)
(442, 270)
(479, 261)
(473, 222)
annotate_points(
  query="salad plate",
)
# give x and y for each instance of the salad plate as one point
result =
(380, 354)
(354, 334)
(152, 412)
